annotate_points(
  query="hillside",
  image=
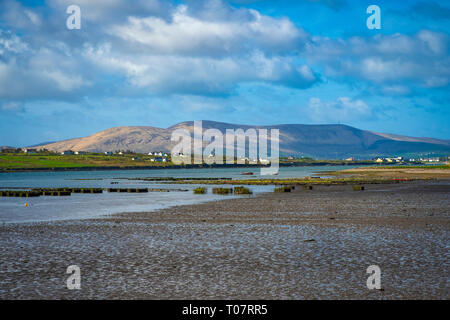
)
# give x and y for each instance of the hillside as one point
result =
(319, 141)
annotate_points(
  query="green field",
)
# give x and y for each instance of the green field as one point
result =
(47, 160)
(35, 161)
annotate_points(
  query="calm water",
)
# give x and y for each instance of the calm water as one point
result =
(81, 206)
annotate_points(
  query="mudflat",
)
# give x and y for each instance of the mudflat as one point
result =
(305, 244)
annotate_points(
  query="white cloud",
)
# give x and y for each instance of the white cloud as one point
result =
(11, 44)
(396, 90)
(343, 109)
(34, 18)
(200, 75)
(192, 35)
(161, 49)
(30, 72)
(388, 60)
(12, 106)
(106, 11)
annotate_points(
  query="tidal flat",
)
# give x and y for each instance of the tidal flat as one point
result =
(305, 244)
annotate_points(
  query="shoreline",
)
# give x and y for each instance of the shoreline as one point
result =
(312, 244)
(192, 166)
(320, 192)
(419, 172)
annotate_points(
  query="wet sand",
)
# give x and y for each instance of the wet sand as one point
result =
(313, 244)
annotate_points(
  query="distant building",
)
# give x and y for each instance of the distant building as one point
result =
(135, 158)
(80, 153)
(350, 159)
(29, 150)
(108, 153)
(379, 160)
(67, 152)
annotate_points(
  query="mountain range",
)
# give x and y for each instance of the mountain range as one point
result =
(328, 141)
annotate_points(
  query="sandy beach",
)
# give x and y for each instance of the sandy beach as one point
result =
(307, 244)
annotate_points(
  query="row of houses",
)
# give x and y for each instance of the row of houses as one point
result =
(108, 153)
(401, 159)
(429, 159)
(158, 153)
(155, 159)
(389, 160)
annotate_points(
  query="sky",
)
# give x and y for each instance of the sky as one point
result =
(255, 62)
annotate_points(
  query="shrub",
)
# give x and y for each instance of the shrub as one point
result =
(222, 190)
(242, 190)
(200, 190)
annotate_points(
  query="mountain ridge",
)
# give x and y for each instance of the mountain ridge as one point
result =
(320, 141)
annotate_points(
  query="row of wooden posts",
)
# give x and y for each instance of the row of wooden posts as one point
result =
(65, 191)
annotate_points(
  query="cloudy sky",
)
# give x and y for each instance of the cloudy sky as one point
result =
(152, 62)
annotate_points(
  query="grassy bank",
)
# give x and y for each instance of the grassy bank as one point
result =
(42, 161)
(399, 172)
(92, 161)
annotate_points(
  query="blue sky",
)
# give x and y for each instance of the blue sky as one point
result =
(152, 62)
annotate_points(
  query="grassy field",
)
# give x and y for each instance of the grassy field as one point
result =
(21, 161)
(34, 161)
(18, 161)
